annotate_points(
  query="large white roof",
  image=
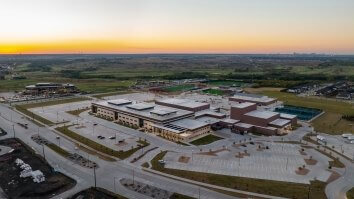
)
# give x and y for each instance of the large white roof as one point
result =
(147, 110)
(243, 105)
(262, 114)
(280, 122)
(183, 102)
(189, 124)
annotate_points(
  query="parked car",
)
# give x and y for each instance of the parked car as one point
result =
(112, 137)
(346, 135)
(321, 138)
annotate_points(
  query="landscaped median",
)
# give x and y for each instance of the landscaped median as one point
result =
(268, 187)
(77, 112)
(99, 147)
(23, 108)
(206, 140)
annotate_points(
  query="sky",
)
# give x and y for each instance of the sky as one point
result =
(177, 26)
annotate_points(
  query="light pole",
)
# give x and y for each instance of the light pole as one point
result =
(287, 161)
(198, 192)
(43, 151)
(13, 129)
(133, 177)
(58, 138)
(114, 182)
(94, 175)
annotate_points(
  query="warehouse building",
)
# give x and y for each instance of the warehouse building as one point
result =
(260, 100)
(170, 123)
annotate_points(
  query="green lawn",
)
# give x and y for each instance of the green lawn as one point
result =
(102, 95)
(269, 187)
(78, 111)
(226, 83)
(99, 147)
(206, 140)
(214, 91)
(58, 150)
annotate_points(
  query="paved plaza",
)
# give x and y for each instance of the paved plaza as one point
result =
(279, 162)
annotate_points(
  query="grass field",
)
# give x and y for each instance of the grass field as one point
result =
(206, 140)
(179, 88)
(330, 122)
(226, 83)
(102, 95)
(214, 91)
(274, 188)
(99, 147)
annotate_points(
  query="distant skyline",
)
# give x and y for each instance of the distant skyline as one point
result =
(176, 26)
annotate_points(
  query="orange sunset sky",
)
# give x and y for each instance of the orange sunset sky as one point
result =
(176, 26)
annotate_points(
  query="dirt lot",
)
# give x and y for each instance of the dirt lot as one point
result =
(16, 187)
(95, 193)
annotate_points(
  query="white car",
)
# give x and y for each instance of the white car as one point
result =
(319, 137)
(351, 137)
(346, 135)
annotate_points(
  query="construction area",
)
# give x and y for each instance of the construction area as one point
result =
(15, 159)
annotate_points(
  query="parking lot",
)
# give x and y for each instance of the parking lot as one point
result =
(340, 144)
(278, 162)
(58, 113)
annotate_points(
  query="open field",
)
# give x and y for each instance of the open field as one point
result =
(206, 140)
(225, 83)
(330, 122)
(103, 95)
(276, 188)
